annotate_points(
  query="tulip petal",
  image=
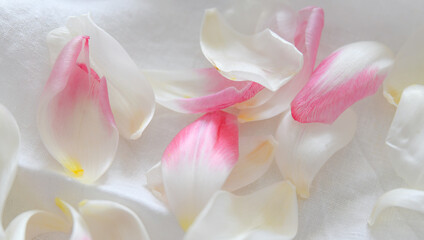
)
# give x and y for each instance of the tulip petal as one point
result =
(197, 162)
(110, 220)
(264, 57)
(408, 68)
(405, 136)
(303, 148)
(154, 181)
(256, 157)
(252, 16)
(74, 116)
(79, 227)
(9, 145)
(351, 73)
(35, 223)
(401, 197)
(270, 213)
(310, 22)
(131, 96)
(202, 90)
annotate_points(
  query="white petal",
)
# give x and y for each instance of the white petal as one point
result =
(264, 57)
(131, 96)
(270, 213)
(406, 136)
(31, 224)
(408, 68)
(252, 16)
(304, 148)
(110, 220)
(9, 145)
(154, 181)
(197, 162)
(401, 197)
(256, 156)
(79, 227)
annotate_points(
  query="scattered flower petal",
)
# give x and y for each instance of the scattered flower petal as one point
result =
(408, 68)
(9, 145)
(401, 197)
(131, 96)
(35, 223)
(406, 136)
(154, 181)
(74, 116)
(349, 74)
(270, 213)
(201, 90)
(264, 57)
(304, 148)
(32, 224)
(110, 220)
(309, 24)
(256, 156)
(197, 162)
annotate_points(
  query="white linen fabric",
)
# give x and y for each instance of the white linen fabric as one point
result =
(164, 34)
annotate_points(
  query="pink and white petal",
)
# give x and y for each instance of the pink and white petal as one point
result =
(405, 137)
(408, 68)
(256, 156)
(264, 57)
(270, 213)
(401, 197)
(348, 75)
(131, 96)
(36, 223)
(199, 90)
(197, 162)
(9, 146)
(79, 226)
(110, 220)
(74, 117)
(56, 40)
(310, 22)
(154, 181)
(303, 148)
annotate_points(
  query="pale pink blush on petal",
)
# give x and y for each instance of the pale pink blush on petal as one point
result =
(310, 22)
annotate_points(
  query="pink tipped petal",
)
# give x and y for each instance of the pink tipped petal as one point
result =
(348, 75)
(264, 57)
(9, 146)
(303, 148)
(202, 90)
(408, 68)
(131, 96)
(268, 214)
(74, 118)
(197, 162)
(310, 22)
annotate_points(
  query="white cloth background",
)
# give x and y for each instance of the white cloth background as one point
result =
(164, 34)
